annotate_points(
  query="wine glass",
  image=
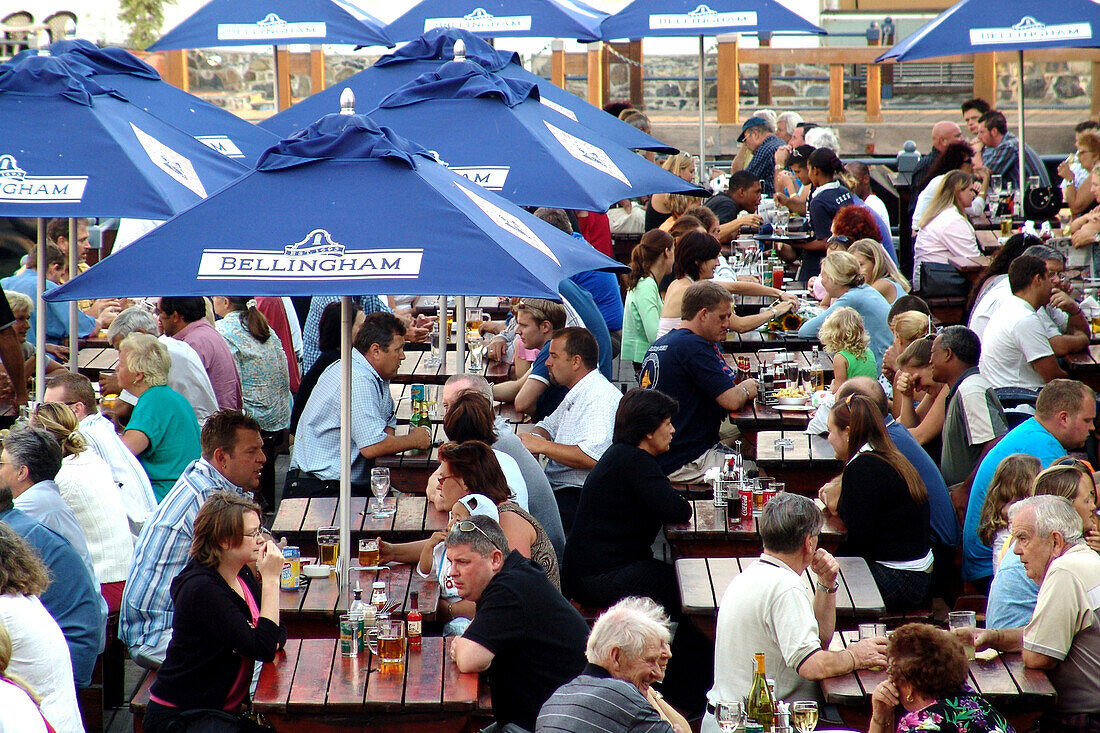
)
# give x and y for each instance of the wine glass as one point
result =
(434, 358)
(380, 487)
(730, 715)
(995, 184)
(804, 715)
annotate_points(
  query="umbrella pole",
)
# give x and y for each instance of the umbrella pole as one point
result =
(460, 338)
(40, 317)
(74, 328)
(702, 118)
(444, 330)
(1020, 112)
(344, 510)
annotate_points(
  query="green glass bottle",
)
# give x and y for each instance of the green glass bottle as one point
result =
(760, 704)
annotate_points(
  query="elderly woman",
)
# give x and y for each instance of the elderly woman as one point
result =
(163, 431)
(88, 486)
(1077, 180)
(842, 280)
(927, 675)
(224, 620)
(945, 232)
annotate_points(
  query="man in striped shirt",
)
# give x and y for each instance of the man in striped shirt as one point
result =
(232, 459)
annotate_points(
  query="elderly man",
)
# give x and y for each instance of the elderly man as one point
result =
(377, 352)
(232, 460)
(75, 390)
(974, 416)
(187, 375)
(1001, 151)
(944, 133)
(540, 496)
(185, 319)
(527, 637)
(1064, 414)
(757, 153)
(578, 432)
(1063, 635)
(687, 365)
(627, 651)
(1016, 351)
(532, 392)
(769, 608)
(785, 124)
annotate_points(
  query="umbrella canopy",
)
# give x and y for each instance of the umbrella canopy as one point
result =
(424, 54)
(70, 148)
(137, 81)
(274, 23)
(316, 218)
(536, 157)
(502, 18)
(652, 18)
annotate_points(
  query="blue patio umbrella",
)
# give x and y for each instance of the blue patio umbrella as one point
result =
(502, 18)
(531, 155)
(121, 71)
(1011, 25)
(652, 18)
(316, 216)
(424, 54)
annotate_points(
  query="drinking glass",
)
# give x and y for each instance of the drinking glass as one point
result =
(476, 345)
(730, 715)
(369, 552)
(391, 643)
(964, 620)
(804, 715)
(996, 184)
(380, 487)
(1032, 182)
(782, 220)
(474, 318)
(434, 358)
(328, 545)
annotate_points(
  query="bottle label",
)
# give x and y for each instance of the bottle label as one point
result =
(414, 629)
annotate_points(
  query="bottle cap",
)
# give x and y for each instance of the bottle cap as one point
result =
(379, 584)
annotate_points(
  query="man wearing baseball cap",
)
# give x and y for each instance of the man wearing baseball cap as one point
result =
(757, 153)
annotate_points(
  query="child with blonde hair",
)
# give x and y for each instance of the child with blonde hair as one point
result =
(843, 335)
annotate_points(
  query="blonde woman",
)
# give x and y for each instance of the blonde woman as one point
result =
(879, 270)
(844, 336)
(920, 402)
(660, 205)
(19, 709)
(88, 487)
(945, 231)
(842, 281)
(905, 328)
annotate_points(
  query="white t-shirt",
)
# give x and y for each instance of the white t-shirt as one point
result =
(18, 713)
(987, 304)
(1013, 339)
(88, 487)
(514, 477)
(40, 658)
(875, 204)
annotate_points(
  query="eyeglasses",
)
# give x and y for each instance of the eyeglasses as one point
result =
(444, 476)
(838, 239)
(255, 534)
(467, 526)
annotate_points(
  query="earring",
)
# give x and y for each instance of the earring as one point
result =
(909, 697)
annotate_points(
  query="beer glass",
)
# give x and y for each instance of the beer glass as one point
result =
(964, 620)
(391, 643)
(369, 552)
(328, 545)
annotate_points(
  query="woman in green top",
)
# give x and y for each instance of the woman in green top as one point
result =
(650, 261)
(843, 335)
(162, 432)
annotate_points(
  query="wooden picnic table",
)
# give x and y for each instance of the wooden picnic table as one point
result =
(804, 467)
(711, 533)
(413, 518)
(754, 340)
(416, 370)
(90, 361)
(311, 687)
(970, 267)
(1019, 693)
(756, 416)
(489, 304)
(312, 611)
(1085, 365)
(703, 582)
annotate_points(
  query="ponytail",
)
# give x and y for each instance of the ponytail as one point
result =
(653, 245)
(252, 318)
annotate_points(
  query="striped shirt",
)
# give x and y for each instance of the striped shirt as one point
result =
(311, 332)
(161, 553)
(596, 702)
(133, 483)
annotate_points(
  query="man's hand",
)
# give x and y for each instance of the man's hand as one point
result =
(497, 349)
(782, 154)
(869, 653)
(784, 306)
(825, 567)
(790, 298)
(422, 438)
(534, 443)
(61, 352)
(1064, 302)
(748, 220)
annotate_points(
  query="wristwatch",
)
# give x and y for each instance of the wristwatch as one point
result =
(827, 589)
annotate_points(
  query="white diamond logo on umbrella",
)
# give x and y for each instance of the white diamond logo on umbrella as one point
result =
(169, 161)
(509, 222)
(587, 153)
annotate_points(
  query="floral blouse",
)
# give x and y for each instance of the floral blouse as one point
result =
(265, 383)
(967, 712)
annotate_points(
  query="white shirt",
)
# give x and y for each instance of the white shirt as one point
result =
(187, 376)
(43, 503)
(134, 488)
(514, 476)
(18, 713)
(1014, 338)
(40, 658)
(585, 418)
(876, 205)
(89, 489)
(996, 292)
(928, 193)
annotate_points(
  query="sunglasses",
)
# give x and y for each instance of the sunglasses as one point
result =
(1071, 462)
(838, 239)
(467, 526)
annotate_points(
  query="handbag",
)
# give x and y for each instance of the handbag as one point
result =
(218, 721)
(940, 280)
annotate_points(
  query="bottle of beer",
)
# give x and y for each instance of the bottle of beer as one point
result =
(413, 621)
(760, 705)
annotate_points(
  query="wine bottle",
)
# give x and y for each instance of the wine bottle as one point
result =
(760, 704)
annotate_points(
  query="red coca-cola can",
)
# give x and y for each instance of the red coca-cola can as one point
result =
(746, 501)
(769, 494)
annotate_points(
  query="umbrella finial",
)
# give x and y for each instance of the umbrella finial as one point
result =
(347, 101)
(460, 50)
(42, 41)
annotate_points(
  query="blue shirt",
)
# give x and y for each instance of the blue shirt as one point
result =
(72, 597)
(691, 370)
(1028, 437)
(603, 286)
(1012, 595)
(590, 314)
(57, 314)
(870, 304)
(941, 513)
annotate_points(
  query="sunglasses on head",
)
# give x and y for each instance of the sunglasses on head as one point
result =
(467, 526)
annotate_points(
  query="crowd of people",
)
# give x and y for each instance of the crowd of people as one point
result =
(961, 439)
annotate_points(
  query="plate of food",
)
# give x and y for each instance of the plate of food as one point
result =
(792, 397)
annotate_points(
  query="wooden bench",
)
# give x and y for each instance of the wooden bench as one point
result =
(140, 700)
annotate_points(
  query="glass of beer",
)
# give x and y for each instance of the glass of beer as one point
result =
(804, 715)
(1006, 226)
(391, 643)
(369, 553)
(964, 620)
(328, 545)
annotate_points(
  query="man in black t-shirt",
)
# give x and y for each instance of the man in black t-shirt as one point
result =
(743, 194)
(525, 634)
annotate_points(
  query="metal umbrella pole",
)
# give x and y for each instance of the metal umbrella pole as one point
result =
(702, 116)
(74, 323)
(40, 316)
(344, 511)
(1020, 151)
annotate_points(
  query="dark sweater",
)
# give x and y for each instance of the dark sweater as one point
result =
(625, 501)
(211, 634)
(309, 381)
(883, 521)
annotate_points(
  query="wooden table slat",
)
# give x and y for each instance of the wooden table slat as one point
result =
(410, 514)
(460, 691)
(347, 682)
(424, 676)
(321, 512)
(845, 689)
(992, 678)
(1033, 683)
(696, 593)
(859, 584)
(371, 525)
(385, 687)
(277, 676)
(722, 571)
(310, 687)
(321, 597)
(292, 513)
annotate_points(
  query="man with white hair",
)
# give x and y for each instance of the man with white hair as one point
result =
(627, 652)
(187, 375)
(785, 124)
(1063, 636)
(823, 137)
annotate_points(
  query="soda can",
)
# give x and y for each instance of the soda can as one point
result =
(419, 393)
(769, 494)
(746, 501)
(292, 568)
(349, 635)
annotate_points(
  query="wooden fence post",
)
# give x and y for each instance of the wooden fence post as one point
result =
(729, 79)
(764, 75)
(874, 93)
(282, 78)
(836, 93)
(316, 69)
(637, 76)
(985, 77)
(595, 69)
(175, 69)
(557, 62)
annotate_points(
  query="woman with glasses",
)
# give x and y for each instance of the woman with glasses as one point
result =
(842, 280)
(224, 621)
(1012, 595)
(945, 232)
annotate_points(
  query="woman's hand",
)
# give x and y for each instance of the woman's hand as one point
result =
(1064, 169)
(904, 384)
(271, 563)
(884, 700)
